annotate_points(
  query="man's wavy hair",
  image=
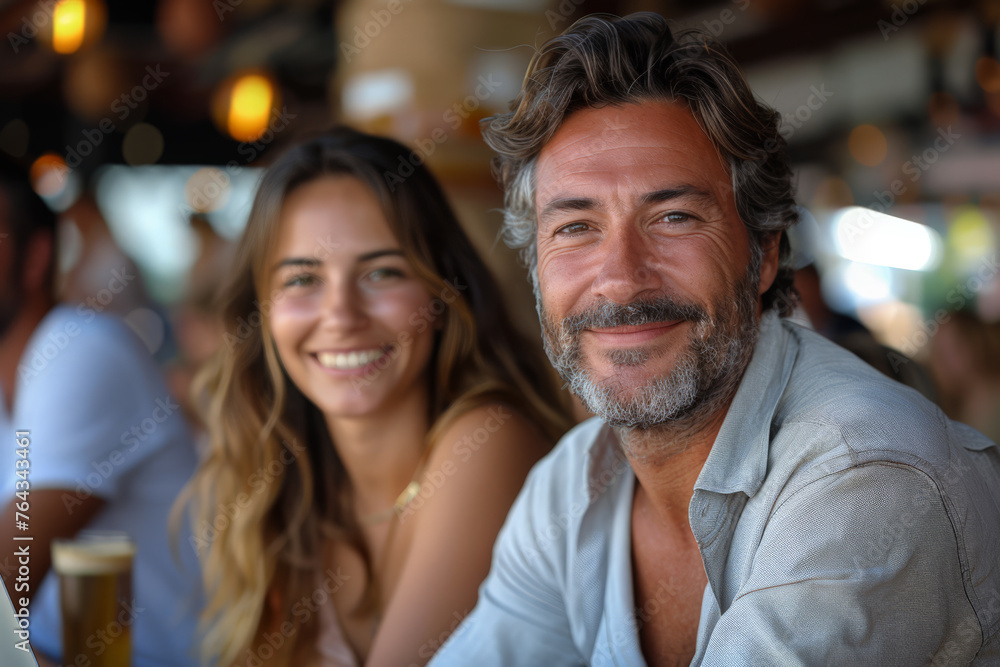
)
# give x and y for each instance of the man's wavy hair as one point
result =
(606, 60)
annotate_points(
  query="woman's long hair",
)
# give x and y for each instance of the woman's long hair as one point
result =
(273, 490)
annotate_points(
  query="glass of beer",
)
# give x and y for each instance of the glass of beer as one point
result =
(95, 589)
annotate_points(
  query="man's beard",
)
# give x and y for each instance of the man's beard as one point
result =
(705, 374)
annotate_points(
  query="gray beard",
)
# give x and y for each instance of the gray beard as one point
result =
(704, 378)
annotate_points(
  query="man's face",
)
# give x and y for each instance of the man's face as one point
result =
(650, 297)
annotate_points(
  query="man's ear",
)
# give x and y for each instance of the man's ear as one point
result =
(38, 259)
(770, 246)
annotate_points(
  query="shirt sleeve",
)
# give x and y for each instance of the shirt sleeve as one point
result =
(520, 618)
(861, 567)
(91, 406)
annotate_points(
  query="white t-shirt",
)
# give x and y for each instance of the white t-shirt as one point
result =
(101, 422)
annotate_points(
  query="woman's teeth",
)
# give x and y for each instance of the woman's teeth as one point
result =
(349, 360)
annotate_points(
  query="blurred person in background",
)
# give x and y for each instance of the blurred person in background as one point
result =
(196, 322)
(99, 268)
(108, 447)
(853, 336)
(965, 365)
(373, 416)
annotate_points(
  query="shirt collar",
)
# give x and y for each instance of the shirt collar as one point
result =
(738, 460)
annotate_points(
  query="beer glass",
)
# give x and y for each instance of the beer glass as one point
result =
(95, 590)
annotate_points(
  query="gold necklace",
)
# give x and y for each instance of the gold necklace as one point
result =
(397, 508)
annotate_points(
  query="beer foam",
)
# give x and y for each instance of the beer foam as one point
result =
(92, 557)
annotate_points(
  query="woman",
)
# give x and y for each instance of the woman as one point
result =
(373, 416)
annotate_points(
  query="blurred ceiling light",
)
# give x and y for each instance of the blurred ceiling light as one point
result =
(243, 105)
(867, 284)
(863, 235)
(250, 107)
(48, 175)
(207, 190)
(143, 144)
(75, 24)
(988, 74)
(371, 94)
(69, 18)
(868, 145)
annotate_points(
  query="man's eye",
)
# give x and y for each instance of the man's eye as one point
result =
(573, 228)
(676, 216)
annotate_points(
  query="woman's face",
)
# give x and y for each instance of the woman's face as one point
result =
(351, 320)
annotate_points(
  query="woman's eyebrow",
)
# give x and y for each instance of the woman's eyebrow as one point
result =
(309, 262)
(375, 254)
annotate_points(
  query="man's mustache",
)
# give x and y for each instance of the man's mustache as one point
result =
(605, 314)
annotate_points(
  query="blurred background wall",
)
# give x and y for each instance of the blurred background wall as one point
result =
(146, 124)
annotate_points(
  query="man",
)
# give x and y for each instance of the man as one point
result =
(750, 494)
(104, 447)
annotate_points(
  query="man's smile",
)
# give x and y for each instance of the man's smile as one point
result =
(632, 334)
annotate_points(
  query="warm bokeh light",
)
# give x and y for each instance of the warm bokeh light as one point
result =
(868, 145)
(988, 74)
(48, 175)
(249, 107)
(69, 20)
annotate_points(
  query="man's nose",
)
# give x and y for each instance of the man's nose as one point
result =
(627, 269)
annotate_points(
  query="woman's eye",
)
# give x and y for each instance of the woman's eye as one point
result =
(379, 275)
(302, 280)
(573, 228)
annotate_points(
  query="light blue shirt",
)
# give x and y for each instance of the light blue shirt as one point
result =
(103, 423)
(841, 517)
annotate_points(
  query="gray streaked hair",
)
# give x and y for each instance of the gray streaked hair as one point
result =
(606, 60)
